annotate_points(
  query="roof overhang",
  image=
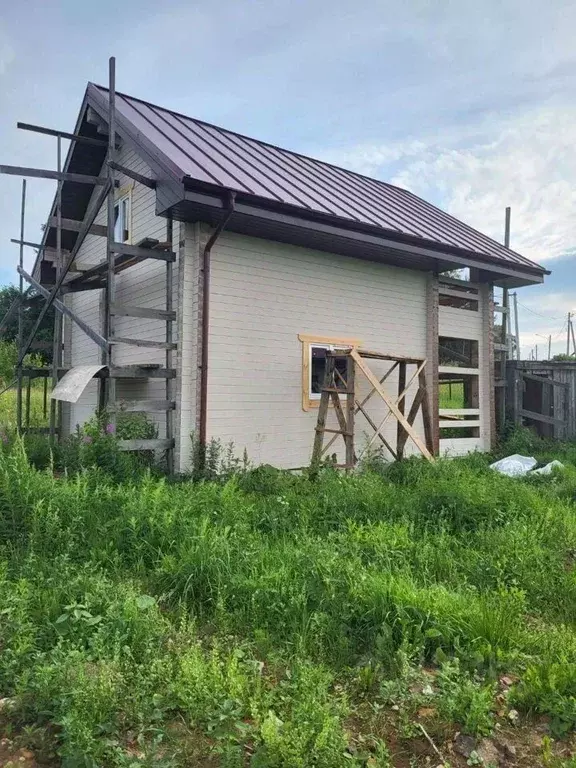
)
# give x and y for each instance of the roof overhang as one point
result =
(254, 219)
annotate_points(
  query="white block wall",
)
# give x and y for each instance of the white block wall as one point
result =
(264, 294)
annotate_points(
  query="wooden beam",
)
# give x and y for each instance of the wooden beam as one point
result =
(39, 246)
(458, 294)
(544, 380)
(142, 343)
(459, 411)
(152, 314)
(64, 310)
(144, 406)
(142, 253)
(458, 424)
(370, 355)
(457, 371)
(62, 134)
(154, 444)
(140, 372)
(42, 173)
(456, 281)
(541, 417)
(147, 182)
(415, 407)
(75, 226)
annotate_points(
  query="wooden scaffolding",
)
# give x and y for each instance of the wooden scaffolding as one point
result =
(341, 390)
(69, 278)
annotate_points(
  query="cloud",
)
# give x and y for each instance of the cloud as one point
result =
(7, 52)
(525, 160)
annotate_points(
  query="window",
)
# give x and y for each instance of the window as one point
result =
(122, 218)
(318, 369)
(314, 365)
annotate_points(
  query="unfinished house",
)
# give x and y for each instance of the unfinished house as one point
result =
(235, 268)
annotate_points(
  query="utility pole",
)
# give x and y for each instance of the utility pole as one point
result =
(536, 351)
(568, 333)
(505, 302)
(516, 330)
(549, 347)
(573, 338)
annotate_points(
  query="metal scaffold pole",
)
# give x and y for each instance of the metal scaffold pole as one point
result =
(20, 310)
(55, 408)
(120, 253)
(110, 290)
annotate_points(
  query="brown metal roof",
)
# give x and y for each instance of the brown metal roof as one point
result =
(206, 154)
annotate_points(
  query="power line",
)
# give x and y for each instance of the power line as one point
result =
(539, 314)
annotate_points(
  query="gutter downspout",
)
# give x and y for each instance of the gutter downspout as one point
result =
(206, 261)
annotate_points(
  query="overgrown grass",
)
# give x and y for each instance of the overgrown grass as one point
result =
(8, 407)
(257, 621)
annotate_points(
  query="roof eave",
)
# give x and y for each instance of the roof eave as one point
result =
(211, 199)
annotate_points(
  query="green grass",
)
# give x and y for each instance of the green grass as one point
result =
(8, 407)
(451, 395)
(274, 620)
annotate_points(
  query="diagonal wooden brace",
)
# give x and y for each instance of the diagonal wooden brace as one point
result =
(391, 405)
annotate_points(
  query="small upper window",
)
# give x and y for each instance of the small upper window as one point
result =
(122, 219)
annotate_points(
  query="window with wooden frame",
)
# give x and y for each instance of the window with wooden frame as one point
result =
(314, 364)
(123, 215)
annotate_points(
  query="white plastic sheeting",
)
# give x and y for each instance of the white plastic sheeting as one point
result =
(519, 466)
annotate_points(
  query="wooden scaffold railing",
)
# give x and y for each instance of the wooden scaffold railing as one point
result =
(342, 392)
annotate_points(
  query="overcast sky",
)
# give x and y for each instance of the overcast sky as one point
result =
(469, 104)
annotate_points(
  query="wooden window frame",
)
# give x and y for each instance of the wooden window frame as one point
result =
(316, 340)
(125, 193)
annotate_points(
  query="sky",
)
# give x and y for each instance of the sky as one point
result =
(468, 104)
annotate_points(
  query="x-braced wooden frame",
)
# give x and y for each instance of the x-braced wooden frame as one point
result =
(335, 388)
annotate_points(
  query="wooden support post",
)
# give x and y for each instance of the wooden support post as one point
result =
(399, 428)
(323, 412)
(350, 404)
(487, 303)
(28, 388)
(426, 413)
(432, 356)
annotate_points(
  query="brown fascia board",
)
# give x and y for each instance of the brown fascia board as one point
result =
(510, 275)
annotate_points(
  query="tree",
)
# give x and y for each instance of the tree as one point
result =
(32, 304)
